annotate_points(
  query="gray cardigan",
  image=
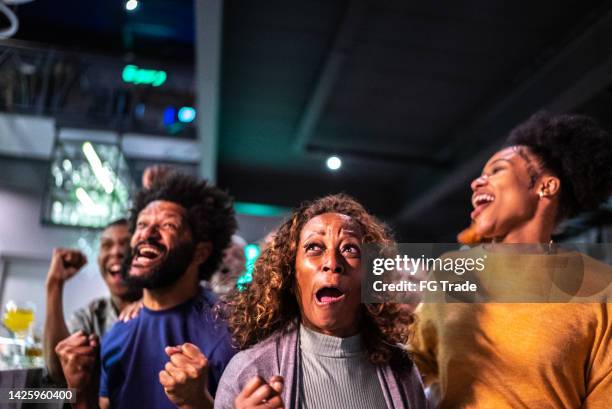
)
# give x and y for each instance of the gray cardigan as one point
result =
(279, 355)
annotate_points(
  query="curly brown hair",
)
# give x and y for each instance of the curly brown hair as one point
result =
(268, 304)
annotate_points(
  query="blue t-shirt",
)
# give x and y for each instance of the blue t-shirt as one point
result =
(133, 352)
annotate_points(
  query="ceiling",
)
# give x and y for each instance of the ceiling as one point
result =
(413, 96)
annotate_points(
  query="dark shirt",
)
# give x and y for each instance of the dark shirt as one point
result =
(97, 318)
(133, 352)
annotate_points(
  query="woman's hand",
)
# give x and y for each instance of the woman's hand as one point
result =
(258, 393)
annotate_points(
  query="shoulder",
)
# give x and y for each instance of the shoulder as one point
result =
(90, 308)
(98, 303)
(260, 359)
(84, 317)
(407, 373)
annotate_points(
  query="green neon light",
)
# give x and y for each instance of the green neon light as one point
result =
(261, 210)
(132, 74)
(251, 252)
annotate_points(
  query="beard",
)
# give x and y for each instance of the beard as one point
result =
(171, 268)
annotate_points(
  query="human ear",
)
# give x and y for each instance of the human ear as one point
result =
(202, 251)
(549, 186)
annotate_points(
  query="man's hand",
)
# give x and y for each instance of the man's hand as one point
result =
(258, 393)
(78, 355)
(65, 263)
(185, 377)
(130, 311)
(155, 173)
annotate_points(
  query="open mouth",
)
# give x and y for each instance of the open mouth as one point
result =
(329, 295)
(114, 268)
(480, 202)
(147, 254)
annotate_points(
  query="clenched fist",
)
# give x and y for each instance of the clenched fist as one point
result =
(185, 377)
(65, 263)
(78, 355)
(258, 393)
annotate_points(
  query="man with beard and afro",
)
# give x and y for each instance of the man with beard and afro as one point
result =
(173, 353)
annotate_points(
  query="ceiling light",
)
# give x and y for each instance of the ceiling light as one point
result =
(99, 171)
(334, 163)
(131, 5)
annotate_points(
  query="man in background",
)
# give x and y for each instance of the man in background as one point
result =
(233, 265)
(99, 315)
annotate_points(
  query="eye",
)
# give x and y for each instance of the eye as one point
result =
(313, 247)
(170, 226)
(141, 225)
(351, 249)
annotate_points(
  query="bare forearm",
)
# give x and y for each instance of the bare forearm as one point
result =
(55, 330)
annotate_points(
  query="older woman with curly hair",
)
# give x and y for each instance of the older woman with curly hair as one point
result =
(307, 339)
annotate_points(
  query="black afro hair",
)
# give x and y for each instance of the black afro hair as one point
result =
(574, 148)
(210, 212)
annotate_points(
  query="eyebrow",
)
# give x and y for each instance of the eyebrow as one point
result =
(166, 213)
(499, 160)
(315, 233)
(345, 230)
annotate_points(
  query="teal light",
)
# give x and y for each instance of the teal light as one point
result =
(251, 253)
(132, 74)
(261, 210)
(186, 114)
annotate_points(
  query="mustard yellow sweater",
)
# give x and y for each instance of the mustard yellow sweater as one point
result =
(536, 355)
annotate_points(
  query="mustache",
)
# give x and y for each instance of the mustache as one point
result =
(148, 242)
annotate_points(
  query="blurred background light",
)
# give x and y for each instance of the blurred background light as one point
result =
(89, 184)
(260, 210)
(169, 116)
(186, 114)
(334, 163)
(251, 252)
(132, 74)
(131, 5)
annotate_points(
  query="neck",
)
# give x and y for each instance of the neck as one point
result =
(339, 333)
(538, 229)
(119, 303)
(163, 298)
(526, 237)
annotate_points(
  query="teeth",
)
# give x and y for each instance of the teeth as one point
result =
(148, 251)
(482, 198)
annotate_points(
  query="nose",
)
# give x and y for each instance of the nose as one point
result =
(333, 263)
(479, 182)
(150, 232)
(118, 250)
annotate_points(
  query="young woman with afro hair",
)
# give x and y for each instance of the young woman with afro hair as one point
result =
(526, 354)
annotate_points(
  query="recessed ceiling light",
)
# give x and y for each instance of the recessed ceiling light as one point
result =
(334, 163)
(131, 5)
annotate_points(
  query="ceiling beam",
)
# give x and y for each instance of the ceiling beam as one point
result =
(336, 58)
(575, 74)
(209, 26)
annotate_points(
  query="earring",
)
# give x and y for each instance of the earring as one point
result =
(541, 194)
